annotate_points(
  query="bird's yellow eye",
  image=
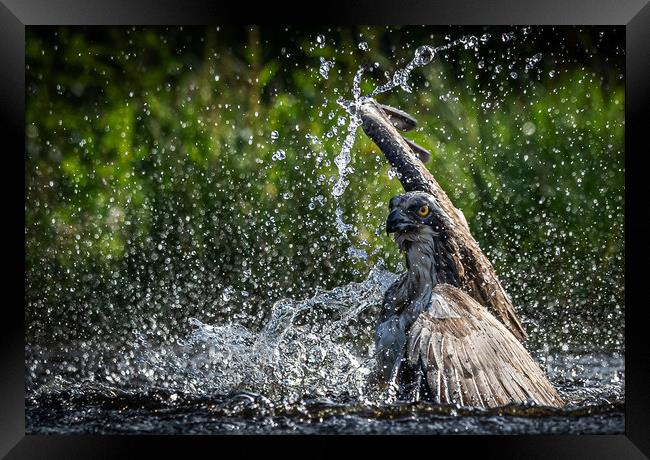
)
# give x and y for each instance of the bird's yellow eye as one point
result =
(424, 210)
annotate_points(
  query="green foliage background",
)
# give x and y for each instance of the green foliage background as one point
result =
(152, 194)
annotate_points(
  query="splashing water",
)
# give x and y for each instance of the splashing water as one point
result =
(532, 61)
(304, 348)
(307, 370)
(317, 346)
(342, 160)
(341, 226)
(325, 67)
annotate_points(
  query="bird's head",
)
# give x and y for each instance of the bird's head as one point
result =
(416, 216)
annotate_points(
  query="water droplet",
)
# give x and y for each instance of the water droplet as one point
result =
(363, 46)
(356, 84)
(531, 61)
(401, 79)
(470, 42)
(279, 155)
(529, 128)
(341, 226)
(274, 135)
(357, 253)
(340, 186)
(423, 55)
(325, 67)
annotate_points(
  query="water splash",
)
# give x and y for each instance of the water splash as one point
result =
(532, 61)
(342, 160)
(306, 347)
(341, 226)
(325, 67)
(423, 55)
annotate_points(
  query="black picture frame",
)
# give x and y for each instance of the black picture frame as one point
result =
(16, 14)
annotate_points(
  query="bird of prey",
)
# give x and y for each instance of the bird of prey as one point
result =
(447, 331)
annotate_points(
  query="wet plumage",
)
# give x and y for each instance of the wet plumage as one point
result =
(447, 330)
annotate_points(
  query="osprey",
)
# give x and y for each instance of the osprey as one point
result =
(447, 331)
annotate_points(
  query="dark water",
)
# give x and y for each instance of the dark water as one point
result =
(592, 385)
(306, 371)
(247, 413)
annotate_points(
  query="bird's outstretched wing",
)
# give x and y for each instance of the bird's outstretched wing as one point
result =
(470, 358)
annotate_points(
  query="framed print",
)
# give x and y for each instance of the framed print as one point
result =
(292, 231)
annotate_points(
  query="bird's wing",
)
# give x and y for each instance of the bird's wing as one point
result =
(481, 282)
(471, 359)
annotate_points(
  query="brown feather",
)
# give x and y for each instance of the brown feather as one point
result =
(497, 369)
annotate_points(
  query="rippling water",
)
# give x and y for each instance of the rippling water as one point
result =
(305, 371)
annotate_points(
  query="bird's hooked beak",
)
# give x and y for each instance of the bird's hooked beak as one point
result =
(398, 221)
